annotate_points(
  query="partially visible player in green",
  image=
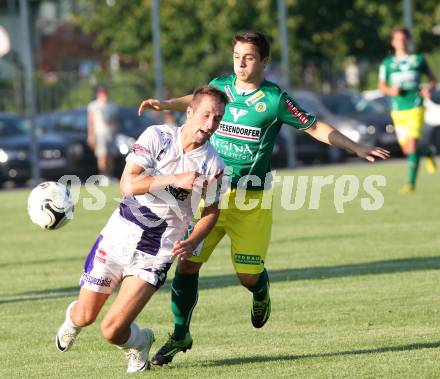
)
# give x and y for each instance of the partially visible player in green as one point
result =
(253, 117)
(400, 77)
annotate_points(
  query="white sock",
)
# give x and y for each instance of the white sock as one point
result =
(136, 339)
(68, 319)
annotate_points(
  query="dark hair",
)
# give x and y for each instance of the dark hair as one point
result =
(255, 38)
(101, 89)
(206, 90)
(402, 29)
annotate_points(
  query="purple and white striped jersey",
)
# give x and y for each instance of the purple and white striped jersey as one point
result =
(139, 236)
(159, 151)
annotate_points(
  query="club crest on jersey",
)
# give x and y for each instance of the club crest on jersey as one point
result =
(260, 107)
(254, 98)
(237, 113)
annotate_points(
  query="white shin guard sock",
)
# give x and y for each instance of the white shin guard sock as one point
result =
(68, 318)
(136, 339)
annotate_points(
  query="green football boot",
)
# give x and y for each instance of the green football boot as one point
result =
(167, 352)
(260, 311)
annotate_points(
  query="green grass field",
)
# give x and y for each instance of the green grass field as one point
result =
(354, 295)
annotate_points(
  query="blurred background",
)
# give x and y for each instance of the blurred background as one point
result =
(326, 53)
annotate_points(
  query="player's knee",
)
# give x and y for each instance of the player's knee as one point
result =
(82, 316)
(188, 267)
(111, 331)
(248, 280)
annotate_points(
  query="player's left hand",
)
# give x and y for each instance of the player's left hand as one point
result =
(370, 152)
(183, 249)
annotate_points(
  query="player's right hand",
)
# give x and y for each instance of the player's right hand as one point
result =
(183, 249)
(394, 91)
(186, 180)
(150, 104)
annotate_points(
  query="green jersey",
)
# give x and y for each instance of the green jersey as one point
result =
(247, 132)
(405, 73)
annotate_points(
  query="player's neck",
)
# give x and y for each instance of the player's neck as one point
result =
(248, 86)
(401, 53)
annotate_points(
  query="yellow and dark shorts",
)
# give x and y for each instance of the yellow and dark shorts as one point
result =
(408, 123)
(249, 230)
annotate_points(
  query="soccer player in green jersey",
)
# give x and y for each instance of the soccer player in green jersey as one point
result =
(400, 77)
(256, 110)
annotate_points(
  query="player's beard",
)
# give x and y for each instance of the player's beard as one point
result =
(202, 136)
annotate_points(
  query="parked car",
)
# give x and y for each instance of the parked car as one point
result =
(15, 152)
(378, 130)
(72, 126)
(431, 133)
(347, 126)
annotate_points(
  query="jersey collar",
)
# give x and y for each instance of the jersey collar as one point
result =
(234, 91)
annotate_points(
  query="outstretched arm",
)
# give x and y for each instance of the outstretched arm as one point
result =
(183, 249)
(178, 104)
(327, 134)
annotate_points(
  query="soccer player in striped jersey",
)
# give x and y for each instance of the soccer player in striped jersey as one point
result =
(167, 168)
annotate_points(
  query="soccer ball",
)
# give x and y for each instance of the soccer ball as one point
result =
(50, 205)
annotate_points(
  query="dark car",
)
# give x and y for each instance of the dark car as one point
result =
(377, 130)
(350, 127)
(71, 125)
(15, 152)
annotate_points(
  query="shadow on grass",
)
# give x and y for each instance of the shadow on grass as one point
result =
(293, 357)
(329, 272)
(41, 262)
(295, 274)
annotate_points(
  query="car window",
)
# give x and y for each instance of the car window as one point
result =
(339, 104)
(310, 106)
(129, 120)
(368, 106)
(75, 120)
(351, 104)
(10, 127)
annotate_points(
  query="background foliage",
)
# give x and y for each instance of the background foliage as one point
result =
(196, 35)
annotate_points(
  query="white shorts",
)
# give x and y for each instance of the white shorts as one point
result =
(124, 248)
(105, 144)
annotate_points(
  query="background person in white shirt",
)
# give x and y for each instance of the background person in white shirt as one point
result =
(101, 132)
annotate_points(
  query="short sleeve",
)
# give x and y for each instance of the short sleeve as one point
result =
(143, 151)
(383, 72)
(91, 106)
(215, 82)
(290, 112)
